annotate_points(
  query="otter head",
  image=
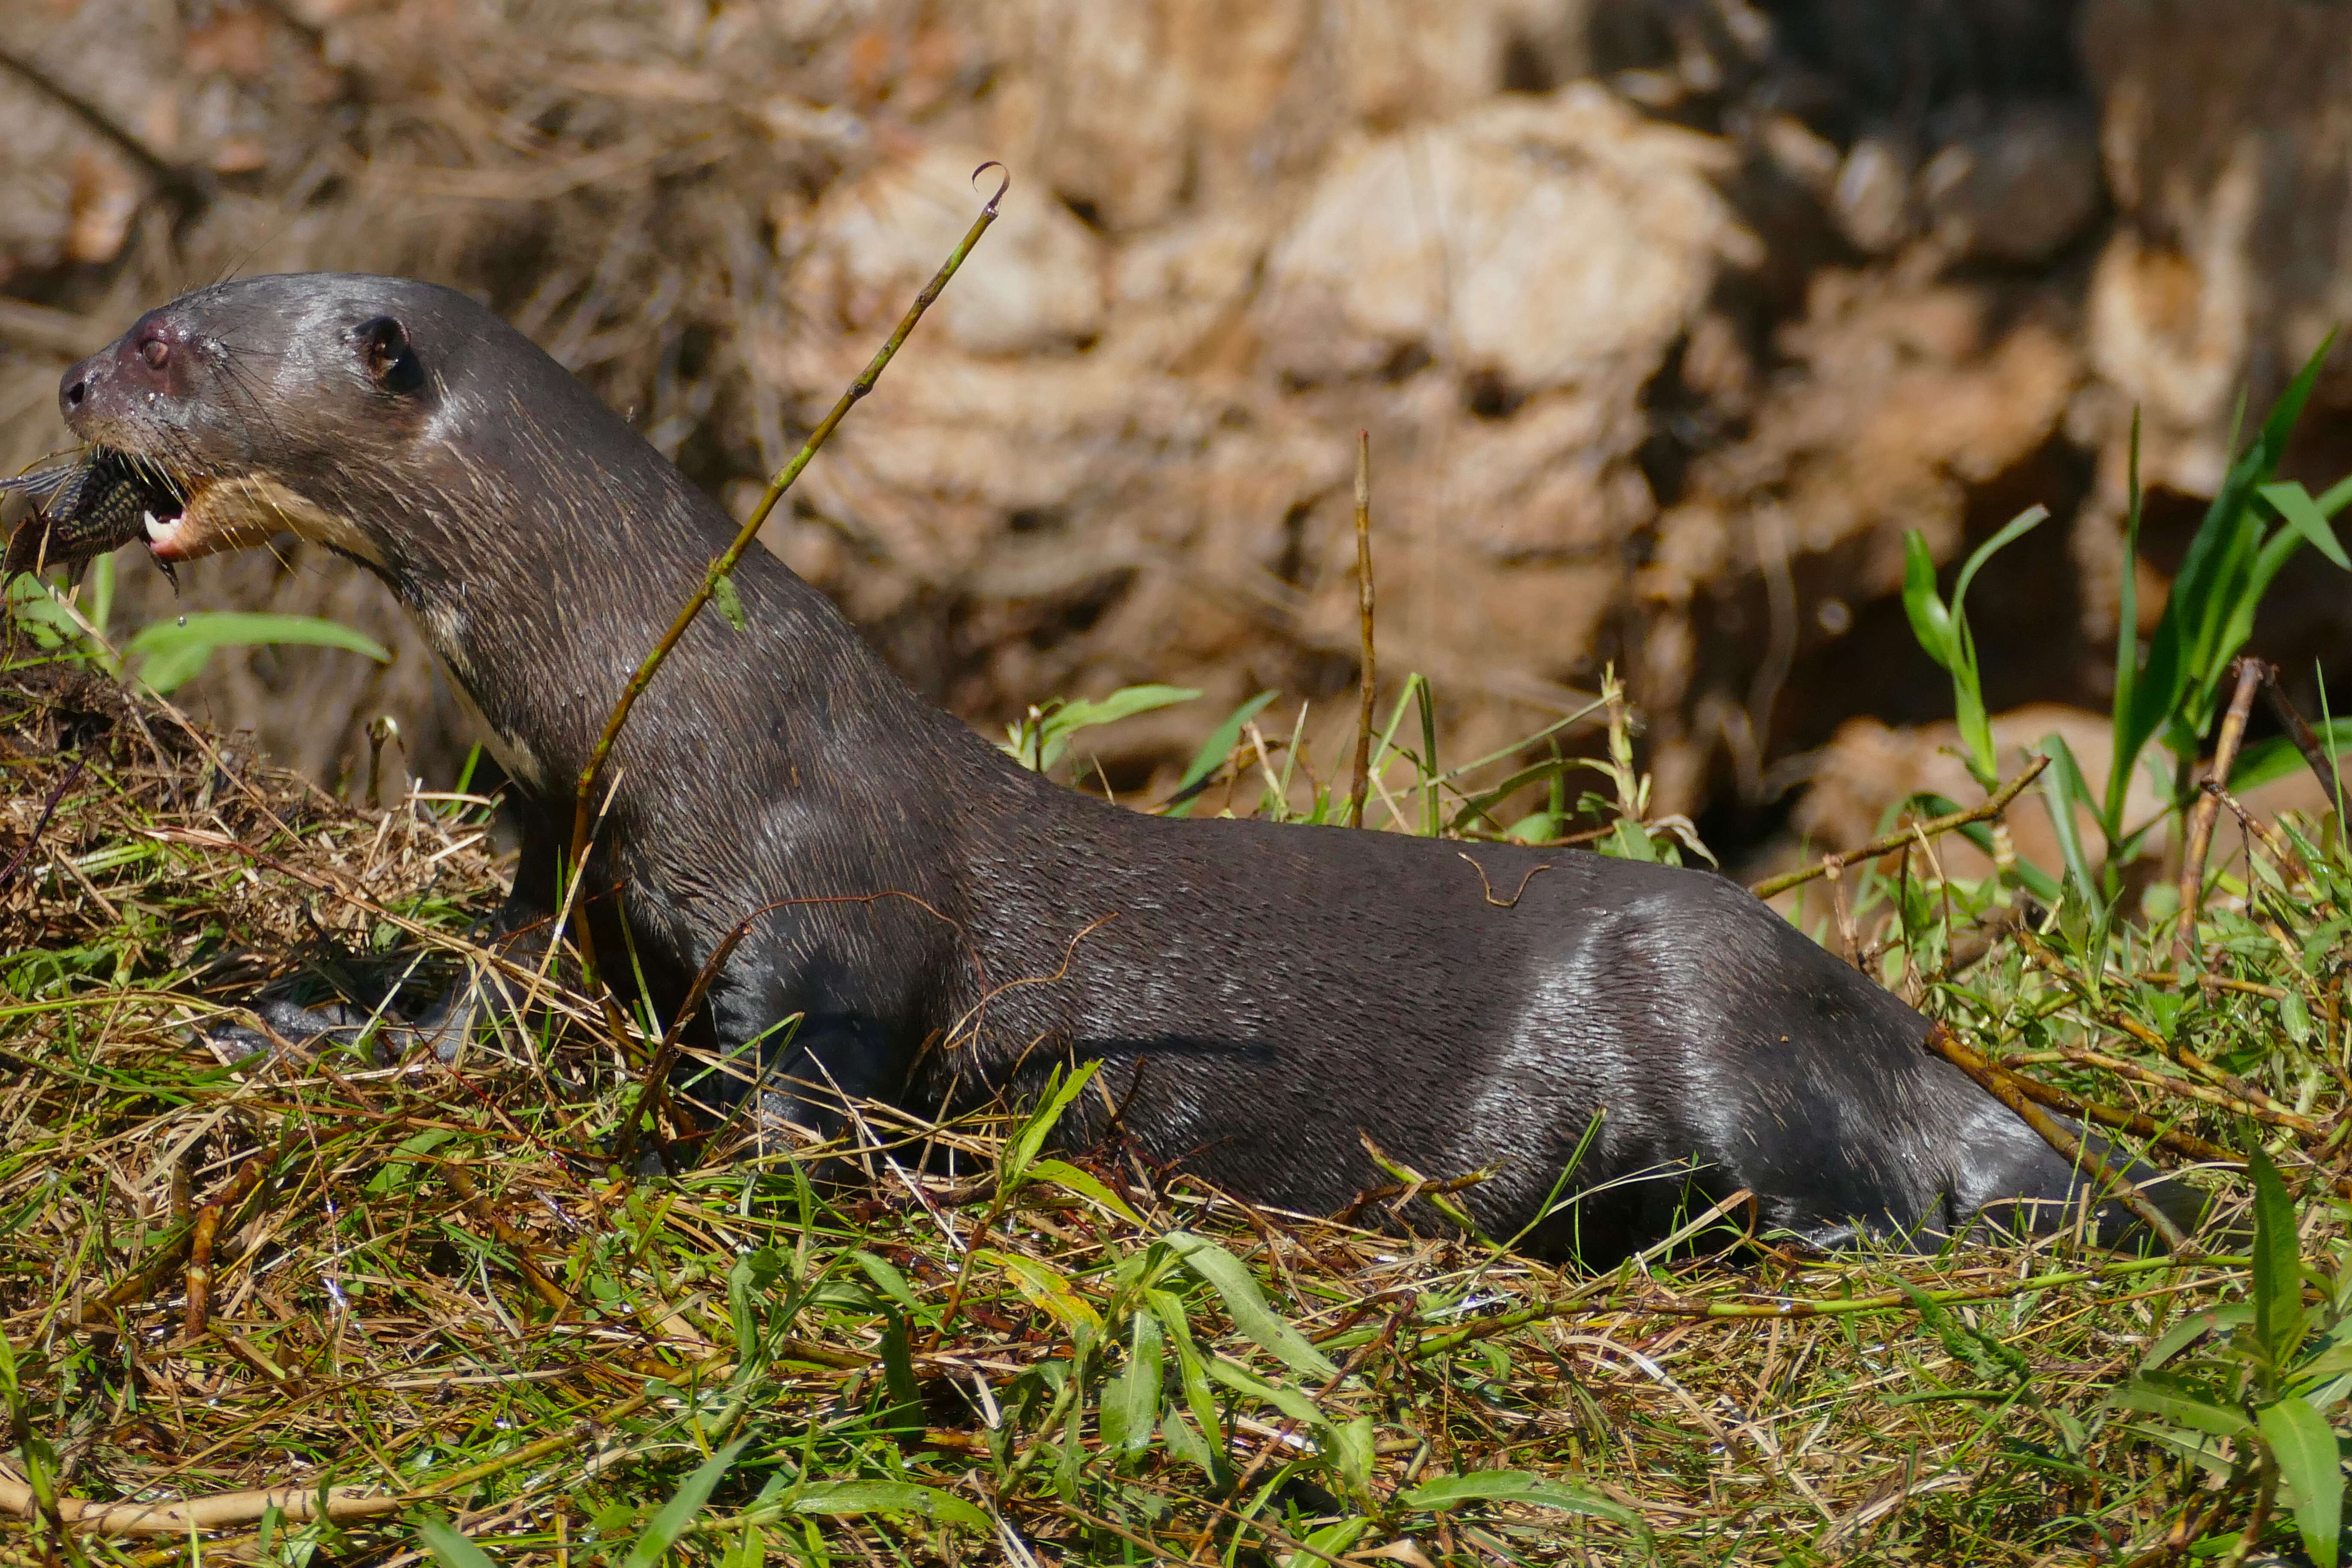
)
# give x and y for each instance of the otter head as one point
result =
(258, 406)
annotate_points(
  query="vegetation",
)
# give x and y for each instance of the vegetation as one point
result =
(162, 655)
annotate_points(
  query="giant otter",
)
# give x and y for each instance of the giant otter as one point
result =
(1260, 995)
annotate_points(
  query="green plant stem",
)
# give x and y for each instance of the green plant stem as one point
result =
(1361, 787)
(651, 664)
(2208, 810)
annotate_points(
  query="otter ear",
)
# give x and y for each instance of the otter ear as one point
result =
(385, 353)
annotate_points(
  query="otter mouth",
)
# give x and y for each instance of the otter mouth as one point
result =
(102, 498)
(201, 525)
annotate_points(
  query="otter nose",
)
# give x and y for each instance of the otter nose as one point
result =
(79, 387)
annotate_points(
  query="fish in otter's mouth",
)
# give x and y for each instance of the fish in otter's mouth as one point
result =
(89, 504)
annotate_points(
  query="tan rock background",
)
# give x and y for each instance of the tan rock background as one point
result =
(1666, 317)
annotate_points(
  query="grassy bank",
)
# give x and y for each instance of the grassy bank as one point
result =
(417, 1309)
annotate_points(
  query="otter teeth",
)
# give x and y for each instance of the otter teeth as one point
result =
(161, 530)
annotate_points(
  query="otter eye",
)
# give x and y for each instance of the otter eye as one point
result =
(155, 351)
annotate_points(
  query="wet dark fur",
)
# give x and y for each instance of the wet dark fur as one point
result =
(1260, 994)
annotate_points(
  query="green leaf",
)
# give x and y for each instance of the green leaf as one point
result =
(1048, 1289)
(1188, 1445)
(1290, 1401)
(2277, 1289)
(1627, 840)
(1060, 1090)
(1041, 741)
(173, 652)
(750, 1552)
(2194, 1327)
(1519, 1486)
(1353, 1447)
(2310, 1473)
(729, 603)
(747, 1281)
(887, 1278)
(1969, 716)
(2181, 666)
(2276, 756)
(1215, 751)
(2017, 528)
(1198, 1395)
(887, 1496)
(2126, 642)
(2208, 1453)
(905, 1413)
(397, 1172)
(1931, 623)
(1071, 1179)
(1223, 1273)
(1332, 1540)
(2301, 514)
(684, 1504)
(2159, 1394)
(2063, 789)
(1130, 1401)
(450, 1548)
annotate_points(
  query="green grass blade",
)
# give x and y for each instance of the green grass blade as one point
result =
(2301, 513)
(1213, 753)
(2017, 528)
(2278, 1266)
(1223, 1273)
(846, 1497)
(1024, 1147)
(1073, 1180)
(2127, 645)
(2302, 1445)
(683, 1505)
(2278, 756)
(450, 1548)
(1931, 622)
(1520, 1487)
(2063, 788)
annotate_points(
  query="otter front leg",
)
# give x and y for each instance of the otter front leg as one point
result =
(795, 1042)
(519, 931)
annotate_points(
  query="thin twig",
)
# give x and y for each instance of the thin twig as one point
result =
(1933, 827)
(195, 1320)
(1361, 787)
(2291, 719)
(2250, 675)
(726, 562)
(41, 823)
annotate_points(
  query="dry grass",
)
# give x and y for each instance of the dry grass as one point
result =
(427, 1294)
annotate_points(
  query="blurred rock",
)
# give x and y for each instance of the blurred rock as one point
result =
(1557, 242)
(1872, 196)
(2017, 192)
(1667, 318)
(1034, 287)
(1869, 768)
